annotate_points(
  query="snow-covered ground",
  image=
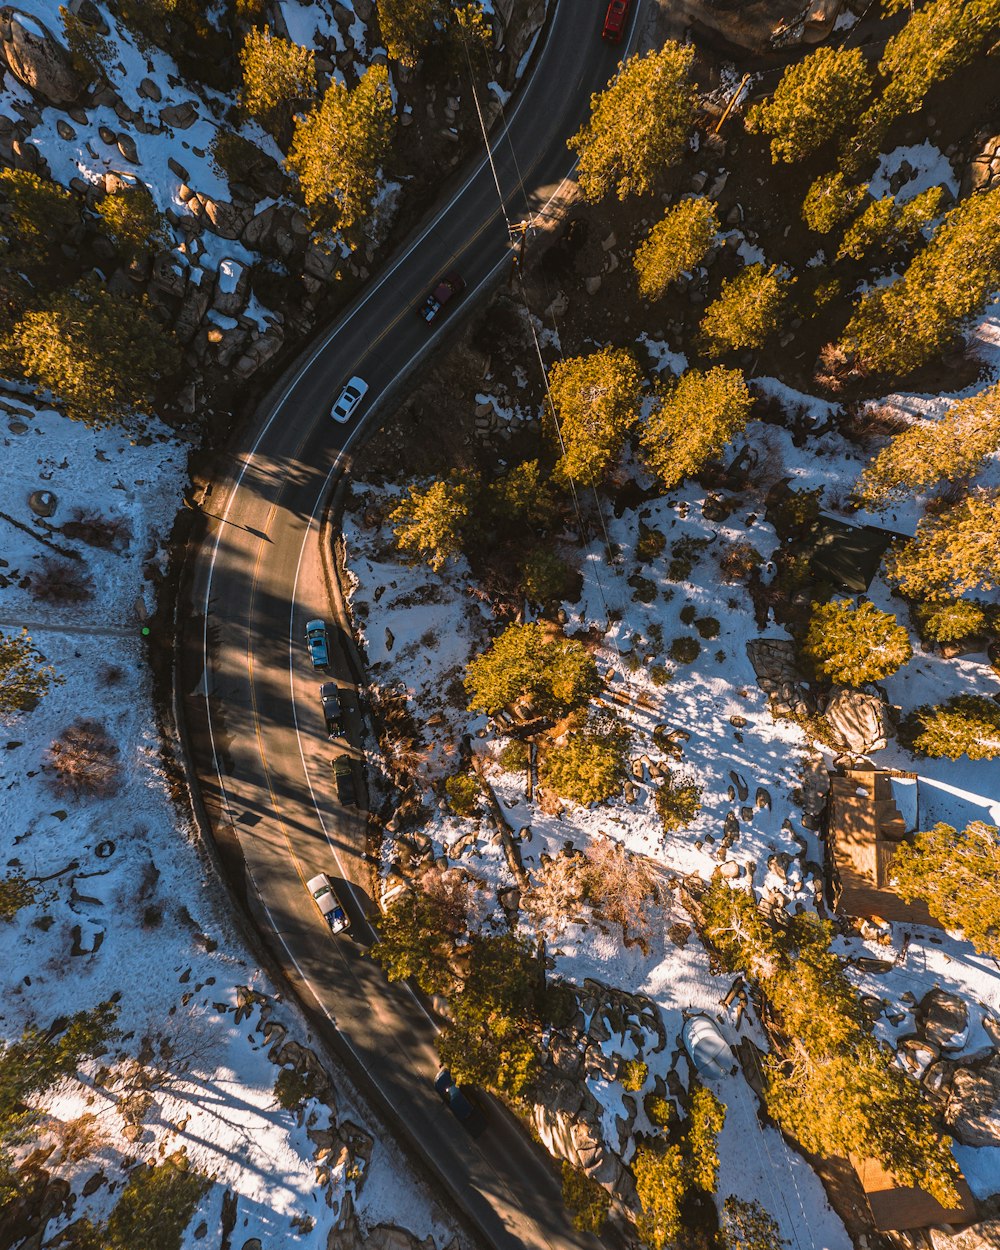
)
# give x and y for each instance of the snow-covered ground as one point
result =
(749, 765)
(127, 905)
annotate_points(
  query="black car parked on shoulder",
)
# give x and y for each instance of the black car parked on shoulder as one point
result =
(343, 775)
(329, 697)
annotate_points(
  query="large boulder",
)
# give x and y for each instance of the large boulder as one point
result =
(973, 1110)
(983, 171)
(775, 661)
(943, 1018)
(37, 59)
(859, 719)
(567, 1118)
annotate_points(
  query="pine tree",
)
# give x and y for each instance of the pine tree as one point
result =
(966, 724)
(952, 620)
(590, 767)
(958, 876)
(660, 1184)
(596, 401)
(746, 312)
(417, 936)
(431, 523)
(36, 211)
(885, 226)
(279, 76)
(132, 221)
(408, 26)
(155, 1206)
(929, 452)
(817, 99)
(830, 201)
(521, 499)
(638, 125)
(103, 354)
(853, 643)
(747, 1226)
(706, 1116)
(939, 38)
(899, 327)
(953, 551)
(24, 676)
(675, 245)
(693, 420)
(339, 147)
(559, 674)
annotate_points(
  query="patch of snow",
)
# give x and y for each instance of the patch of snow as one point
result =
(932, 168)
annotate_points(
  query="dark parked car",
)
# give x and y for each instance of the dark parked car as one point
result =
(462, 1108)
(329, 696)
(318, 644)
(614, 21)
(451, 284)
(343, 775)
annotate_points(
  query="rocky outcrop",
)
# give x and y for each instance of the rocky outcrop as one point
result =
(775, 662)
(37, 59)
(858, 719)
(982, 1236)
(973, 1110)
(943, 1019)
(983, 171)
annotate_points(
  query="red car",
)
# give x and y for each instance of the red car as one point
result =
(614, 21)
(451, 284)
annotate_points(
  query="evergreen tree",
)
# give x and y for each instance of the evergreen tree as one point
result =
(660, 1184)
(747, 1226)
(101, 353)
(155, 1208)
(339, 147)
(418, 934)
(818, 98)
(952, 620)
(706, 1116)
(557, 673)
(929, 452)
(521, 499)
(885, 226)
(408, 26)
(830, 201)
(431, 522)
(939, 38)
(24, 676)
(587, 1201)
(546, 579)
(966, 724)
(853, 643)
(958, 876)
(279, 76)
(596, 402)
(899, 327)
(693, 420)
(132, 221)
(35, 211)
(590, 767)
(746, 312)
(953, 551)
(638, 125)
(675, 245)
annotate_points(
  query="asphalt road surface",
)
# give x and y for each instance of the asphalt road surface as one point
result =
(247, 691)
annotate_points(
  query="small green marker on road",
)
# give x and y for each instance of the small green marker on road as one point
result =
(145, 631)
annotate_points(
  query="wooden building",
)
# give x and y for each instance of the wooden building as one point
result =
(864, 828)
(896, 1207)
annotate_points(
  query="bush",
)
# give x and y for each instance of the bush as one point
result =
(61, 581)
(156, 1206)
(952, 620)
(650, 544)
(795, 511)
(589, 768)
(968, 724)
(659, 1110)
(463, 792)
(15, 892)
(587, 1201)
(685, 649)
(707, 627)
(851, 644)
(684, 553)
(547, 580)
(84, 761)
(514, 756)
(677, 802)
(660, 675)
(738, 560)
(107, 533)
(292, 1088)
(634, 1074)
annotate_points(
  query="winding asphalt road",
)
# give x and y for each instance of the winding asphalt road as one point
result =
(247, 692)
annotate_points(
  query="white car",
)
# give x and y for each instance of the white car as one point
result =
(347, 401)
(321, 888)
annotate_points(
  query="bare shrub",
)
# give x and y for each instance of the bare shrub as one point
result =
(621, 886)
(78, 1139)
(61, 581)
(84, 761)
(738, 559)
(108, 533)
(110, 674)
